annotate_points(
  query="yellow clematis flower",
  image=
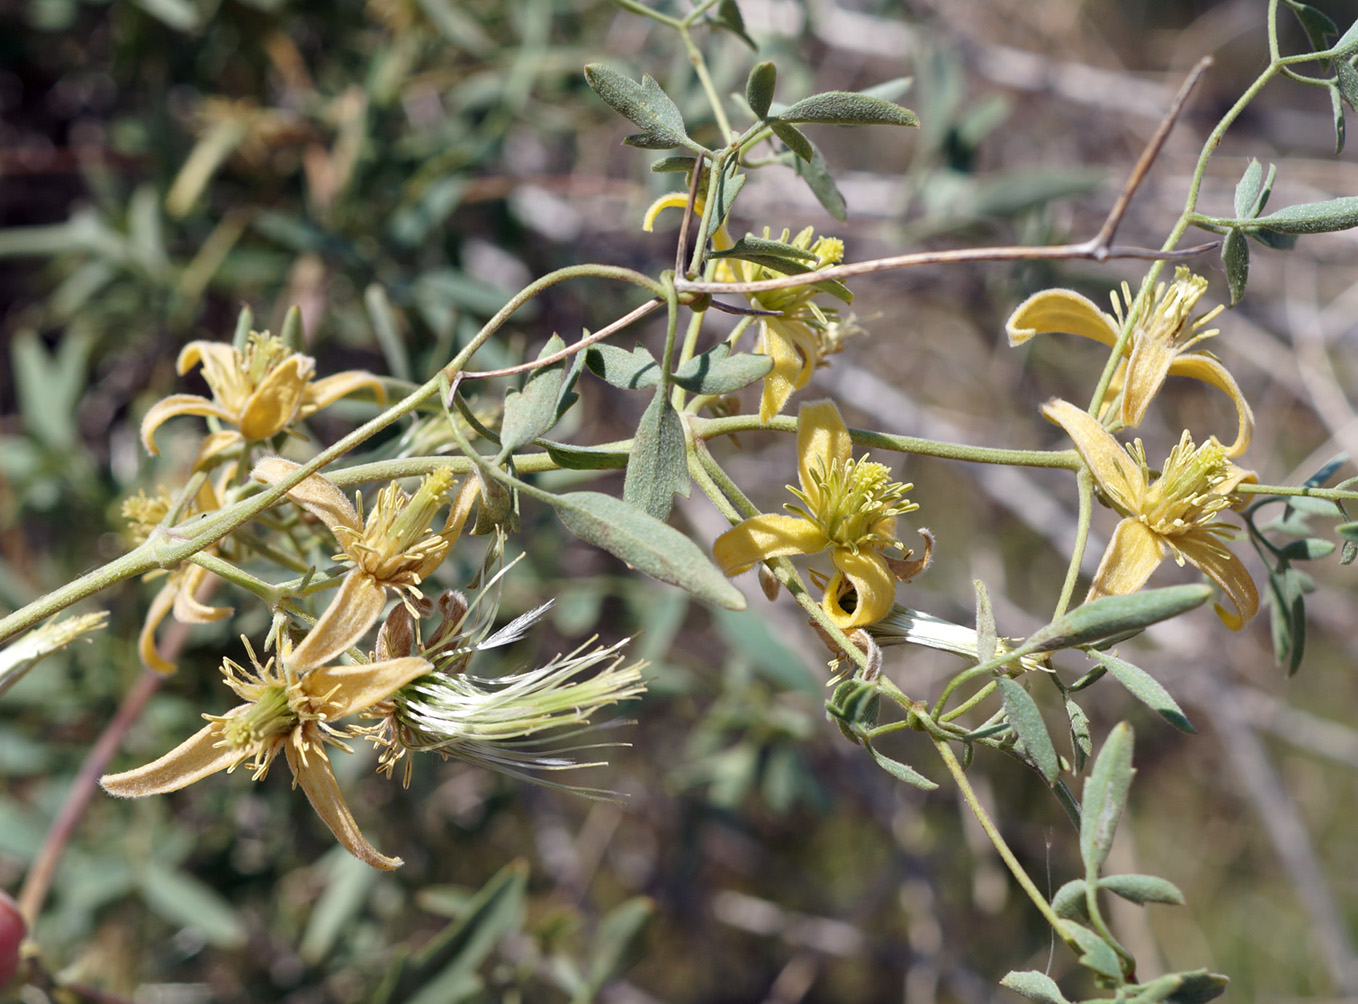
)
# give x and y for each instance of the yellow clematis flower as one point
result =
(1162, 343)
(394, 548)
(261, 390)
(289, 707)
(185, 585)
(848, 507)
(1177, 512)
(799, 340)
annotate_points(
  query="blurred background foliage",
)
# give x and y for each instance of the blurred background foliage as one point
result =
(397, 169)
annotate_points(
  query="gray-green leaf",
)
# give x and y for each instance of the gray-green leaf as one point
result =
(718, 372)
(1146, 689)
(643, 104)
(1035, 986)
(645, 543)
(627, 370)
(1115, 615)
(900, 771)
(658, 467)
(816, 173)
(1096, 954)
(531, 412)
(759, 88)
(847, 108)
(1247, 189)
(1143, 888)
(1032, 731)
(1105, 796)
(794, 138)
(1314, 217)
(1235, 256)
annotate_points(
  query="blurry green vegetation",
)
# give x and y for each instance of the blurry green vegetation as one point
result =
(398, 169)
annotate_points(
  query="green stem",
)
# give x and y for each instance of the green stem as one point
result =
(695, 57)
(644, 11)
(1085, 482)
(982, 817)
(709, 428)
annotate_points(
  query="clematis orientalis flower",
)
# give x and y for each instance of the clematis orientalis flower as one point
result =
(289, 707)
(848, 507)
(520, 724)
(261, 391)
(394, 548)
(186, 586)
(1175, 512)
(804, 332)
(1164, 342)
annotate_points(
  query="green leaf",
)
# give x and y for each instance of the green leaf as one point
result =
(854, 707)
(1315, 23)
(1114, 615)
(716, 371)
(1347, 43)
(1146, 689)
(1314, 217)
(627, 370)
(1310, 549)
(615, 940)
(900, 771)
(727, 15)
(1071, 901)
(1105, 796)
(759, 88)
(1095, 953)
(847, 108)
(1275, 239)
(1337, 109)
(1248, 189)
(1035, 986)
(388, 333)
(1287, 616)
(673, 165)
(764, 249)
(986, 640)
(1197, 987)
(583, 458)
(816, 173)
(1235, 256)
(644, 104)
(795, 139)
(728, 187)
(459, 949)
(1143, 889)
(344, 890)
(1081, 742)
(1346, 80)
(1349, 531)
(645, 543)
(184, 900)
(1023, 715)
(658, 467)
(531, 412)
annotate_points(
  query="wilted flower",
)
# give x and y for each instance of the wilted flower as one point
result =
(849, 507)
(180, 593)
(394, 548)
(289, 707)
(1163, 343)
(1176, 511)
(262, 391)
(514, 724)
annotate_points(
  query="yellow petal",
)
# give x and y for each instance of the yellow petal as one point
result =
(1120, 477)
(793, 355)
(316, 494)
(822, 441)
(146, 641)
(351, 689)
(219, 360)
(674, 200)
(322, 791)
(178, 404)
(1146, 371)
(187, 607)
(192, 760)
(355, 608)
(275, 402)
(325, 392)
(873, 582)
(1201, 366)
(1132, 555)
(218, 442)
(1060, 310)
(768, 536)
(1205, 552)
